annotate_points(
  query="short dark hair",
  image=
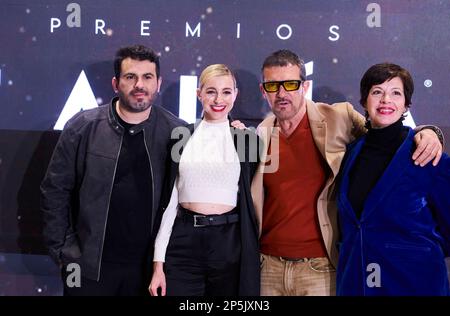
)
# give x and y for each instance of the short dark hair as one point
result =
(379, 73)
(136, 52)
(282, 58)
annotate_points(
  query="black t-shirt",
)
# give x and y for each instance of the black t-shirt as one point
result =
(128, 227)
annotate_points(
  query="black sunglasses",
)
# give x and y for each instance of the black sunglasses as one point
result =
(288, 85)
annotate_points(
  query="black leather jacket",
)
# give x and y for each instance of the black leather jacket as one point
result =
(76, 190)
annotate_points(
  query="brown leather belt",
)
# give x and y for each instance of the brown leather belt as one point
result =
(293, 259)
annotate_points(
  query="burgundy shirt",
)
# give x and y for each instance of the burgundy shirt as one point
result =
(290, 225)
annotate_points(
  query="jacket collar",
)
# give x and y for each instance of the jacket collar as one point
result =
(113, 120)
(317, 122)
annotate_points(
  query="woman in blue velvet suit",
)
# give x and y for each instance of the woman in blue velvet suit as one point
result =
(394, 216)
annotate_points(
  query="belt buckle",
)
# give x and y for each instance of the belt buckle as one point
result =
(286, 259)
(195, 220)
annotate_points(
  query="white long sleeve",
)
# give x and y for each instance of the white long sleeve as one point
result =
(165, 229)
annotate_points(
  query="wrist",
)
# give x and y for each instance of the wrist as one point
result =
(437, 131)
(158, 266)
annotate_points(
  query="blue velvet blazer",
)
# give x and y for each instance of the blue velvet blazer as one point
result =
(398, 245)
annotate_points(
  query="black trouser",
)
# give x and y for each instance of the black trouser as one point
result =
(203, 260)
(116, 279)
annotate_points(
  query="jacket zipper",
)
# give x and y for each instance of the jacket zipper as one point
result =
(107, 209)
(153, 184)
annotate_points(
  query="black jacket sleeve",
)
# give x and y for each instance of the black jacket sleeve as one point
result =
(57, 194)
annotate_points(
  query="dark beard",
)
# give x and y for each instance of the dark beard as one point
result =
(135, 107)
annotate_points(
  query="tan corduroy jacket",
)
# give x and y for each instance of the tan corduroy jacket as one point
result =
(333, 127)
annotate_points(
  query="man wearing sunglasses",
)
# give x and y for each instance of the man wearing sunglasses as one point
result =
(293, 190)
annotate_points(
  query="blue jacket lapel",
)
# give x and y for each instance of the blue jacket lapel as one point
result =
(391, 175)
(352, 154)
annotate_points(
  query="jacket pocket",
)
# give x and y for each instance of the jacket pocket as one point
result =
(412, 247)
(407, 252)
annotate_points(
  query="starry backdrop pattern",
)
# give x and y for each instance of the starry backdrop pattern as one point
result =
(40, 64)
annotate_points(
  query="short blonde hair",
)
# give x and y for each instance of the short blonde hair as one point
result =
(215, 70)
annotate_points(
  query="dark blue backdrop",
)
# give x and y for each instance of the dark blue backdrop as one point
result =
(40, 64)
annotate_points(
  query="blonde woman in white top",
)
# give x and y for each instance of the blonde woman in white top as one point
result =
(207, 243)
